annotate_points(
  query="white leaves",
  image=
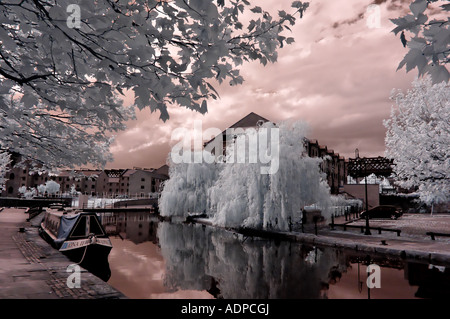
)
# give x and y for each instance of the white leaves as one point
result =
(4, 162)
(235, 193)
(52, 187)
(418, 137)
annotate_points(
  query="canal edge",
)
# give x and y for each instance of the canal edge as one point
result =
(38, 252)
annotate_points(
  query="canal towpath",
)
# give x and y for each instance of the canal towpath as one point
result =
(31, 269)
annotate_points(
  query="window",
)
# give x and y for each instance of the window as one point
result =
(80, 228)
(142, 179)
(95, 227)
(11, 176)
(142, 186)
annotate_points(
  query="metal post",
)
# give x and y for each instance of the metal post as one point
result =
(367, 232)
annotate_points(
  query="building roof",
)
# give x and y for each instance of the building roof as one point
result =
(250, 120)
(163, 170)
(129, 172)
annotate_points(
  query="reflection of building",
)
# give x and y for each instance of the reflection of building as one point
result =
(333, 165)
(433, 281)
(137, 227)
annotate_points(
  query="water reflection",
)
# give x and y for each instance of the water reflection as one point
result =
(152, 259)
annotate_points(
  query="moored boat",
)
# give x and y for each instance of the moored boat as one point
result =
(80, 236)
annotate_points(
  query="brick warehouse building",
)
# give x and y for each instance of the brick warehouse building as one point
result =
(333, 166)
(108, 182)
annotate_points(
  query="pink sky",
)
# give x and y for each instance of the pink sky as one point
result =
(337, 76)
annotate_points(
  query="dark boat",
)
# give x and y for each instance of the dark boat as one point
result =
(81, 237)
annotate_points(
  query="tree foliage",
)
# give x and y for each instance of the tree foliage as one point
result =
(429, 44)
(418, 139)
(4, 161)
(64, 67)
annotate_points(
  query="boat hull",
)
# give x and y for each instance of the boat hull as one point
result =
(92, 257)
(81, 238)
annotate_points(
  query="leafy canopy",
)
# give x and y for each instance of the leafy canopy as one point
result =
(64, 68)
(418, 139)
(429, 44)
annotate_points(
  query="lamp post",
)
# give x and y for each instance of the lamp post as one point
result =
(367, 231)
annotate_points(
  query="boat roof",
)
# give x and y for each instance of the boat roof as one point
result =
(68, 213)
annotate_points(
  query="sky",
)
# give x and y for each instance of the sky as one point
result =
(337, 76)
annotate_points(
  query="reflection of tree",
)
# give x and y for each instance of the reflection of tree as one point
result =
(225, 265)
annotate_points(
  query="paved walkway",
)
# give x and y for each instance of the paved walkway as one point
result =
(31, 269)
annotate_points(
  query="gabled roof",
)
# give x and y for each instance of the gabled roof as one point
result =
(163, 170)
(249, 120)
(129, 172)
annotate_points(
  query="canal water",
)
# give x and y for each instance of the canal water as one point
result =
(154, 259)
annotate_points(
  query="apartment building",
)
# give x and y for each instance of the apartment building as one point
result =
(106, 183)
(333, 164)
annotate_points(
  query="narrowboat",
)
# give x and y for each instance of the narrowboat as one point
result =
(80, 236)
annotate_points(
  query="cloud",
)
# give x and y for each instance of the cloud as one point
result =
(337, 76)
